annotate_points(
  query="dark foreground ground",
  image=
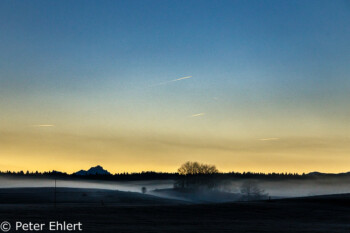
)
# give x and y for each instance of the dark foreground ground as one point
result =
(317, 214)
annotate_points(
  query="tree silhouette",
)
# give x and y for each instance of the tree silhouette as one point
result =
(251, 191)
(196, 175)
(195, 168)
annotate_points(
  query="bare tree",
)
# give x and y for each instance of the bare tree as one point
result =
(196, 175)
(195, 168)
(250, 190)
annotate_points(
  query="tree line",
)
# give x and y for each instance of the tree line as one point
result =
(188, 169)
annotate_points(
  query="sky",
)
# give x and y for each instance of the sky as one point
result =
(147, 85)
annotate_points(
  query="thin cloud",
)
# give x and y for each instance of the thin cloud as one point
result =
(43, 125)
(198, 114)
(178, 79)
(269, 139)
(174, 80)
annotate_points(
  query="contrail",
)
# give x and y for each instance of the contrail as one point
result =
(269, 139)
(178, 79)
(198, 114)
(43, 125)
(174, 80)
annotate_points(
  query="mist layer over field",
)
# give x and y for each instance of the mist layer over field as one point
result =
(129, 186)
(296, 188)
(274, 188)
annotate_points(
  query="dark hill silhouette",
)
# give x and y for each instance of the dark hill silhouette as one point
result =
(98, 170)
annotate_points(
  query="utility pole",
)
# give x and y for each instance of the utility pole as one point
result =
(55, 192)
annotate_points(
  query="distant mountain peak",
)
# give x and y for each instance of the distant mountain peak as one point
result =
(315, 173)
(97, 170)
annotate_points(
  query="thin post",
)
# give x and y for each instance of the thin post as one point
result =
(55, 192)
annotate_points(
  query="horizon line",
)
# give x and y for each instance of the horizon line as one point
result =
(27, 172)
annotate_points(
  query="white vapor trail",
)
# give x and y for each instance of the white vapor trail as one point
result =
(269, 139)
(198, 114)
(43, 125)
(178, 79)
(174, 80)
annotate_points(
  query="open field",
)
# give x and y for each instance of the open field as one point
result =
(144, 213)
(79, 196)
